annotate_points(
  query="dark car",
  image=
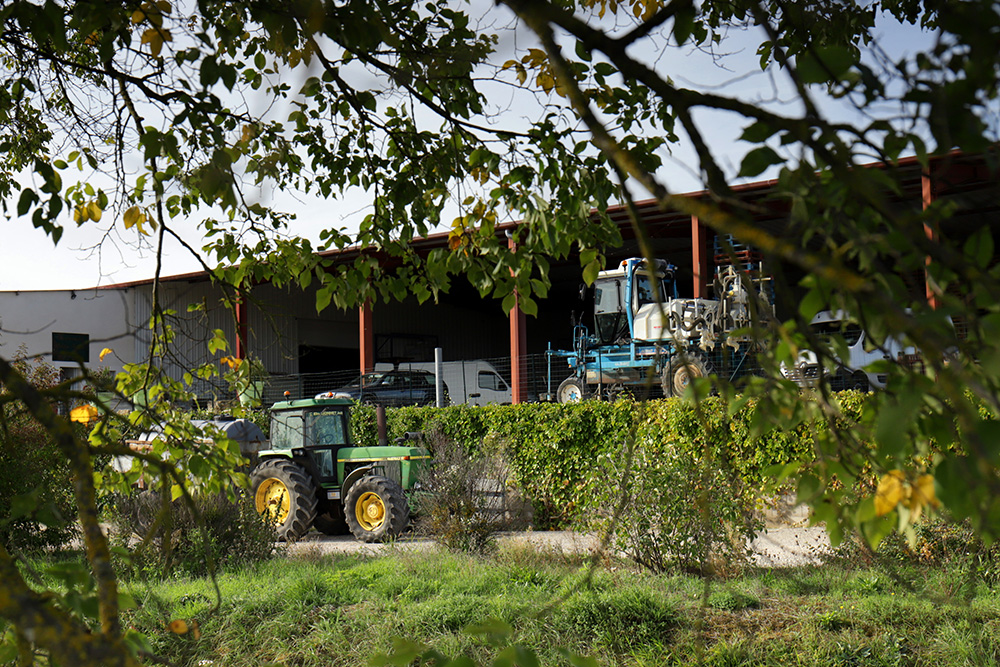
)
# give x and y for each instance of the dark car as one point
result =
(393, 388)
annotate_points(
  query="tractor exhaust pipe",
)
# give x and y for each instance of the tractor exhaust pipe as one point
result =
(383, 437)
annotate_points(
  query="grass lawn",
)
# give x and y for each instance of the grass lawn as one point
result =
(348, 610)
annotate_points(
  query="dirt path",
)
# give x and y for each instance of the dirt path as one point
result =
(782, 546)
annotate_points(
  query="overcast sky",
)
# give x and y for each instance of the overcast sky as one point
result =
(105, 253)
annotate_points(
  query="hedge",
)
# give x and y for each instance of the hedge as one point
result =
(554, 448)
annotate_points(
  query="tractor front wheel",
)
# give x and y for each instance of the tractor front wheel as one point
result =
(572, 390)
(284, 492)
(376, 509)
(681, 370)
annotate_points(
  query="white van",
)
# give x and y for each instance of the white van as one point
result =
(474, 382)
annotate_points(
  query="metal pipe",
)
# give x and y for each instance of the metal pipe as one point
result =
(439, 376)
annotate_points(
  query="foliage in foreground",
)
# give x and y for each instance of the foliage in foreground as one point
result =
(385, 105)
(178, 539)
(346, 610)
(36, 494)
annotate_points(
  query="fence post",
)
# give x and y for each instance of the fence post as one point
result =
(439, 376)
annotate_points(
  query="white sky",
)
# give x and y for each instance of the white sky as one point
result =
(105, 253)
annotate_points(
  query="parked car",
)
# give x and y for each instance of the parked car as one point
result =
(392, 388)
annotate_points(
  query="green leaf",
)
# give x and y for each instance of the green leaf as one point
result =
(893, 429)
(757, 160)
(493, 629)
(323, 296)
(137, 642)
(758, 132)
(811, 303)
(825, 63)
(979, 248)
(684, 19)
(27, 199)
(508, 302)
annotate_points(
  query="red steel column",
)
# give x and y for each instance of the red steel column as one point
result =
(700, 258)
(366, 337)
(927, 197)
(242, 318)
(518, 346)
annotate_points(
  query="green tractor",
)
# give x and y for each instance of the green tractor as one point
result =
(313, 476)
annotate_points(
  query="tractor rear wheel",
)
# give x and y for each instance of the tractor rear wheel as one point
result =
(681, 370)
(572, 390)
(283, 491)
(376, 509)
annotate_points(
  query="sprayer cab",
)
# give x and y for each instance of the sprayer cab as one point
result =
(628, 301)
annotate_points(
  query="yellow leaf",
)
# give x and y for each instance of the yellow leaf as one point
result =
(105, 352)
(534, 57)
(94, 211)
(545, 81)
(923, 493)
(138, 225)
(132, 216)
(138, 16)
(79, 215)
(153, 37)
(164, 6)
(178, 626)
(890, 492)
(195, 630)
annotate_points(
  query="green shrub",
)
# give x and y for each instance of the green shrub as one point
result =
(229, 534)
(681, 511)
(467, 498)
(34, 475)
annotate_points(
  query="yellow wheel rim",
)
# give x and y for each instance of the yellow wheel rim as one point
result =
(272, 498)
(370, 510)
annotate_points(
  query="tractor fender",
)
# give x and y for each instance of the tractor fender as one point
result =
(354, 476)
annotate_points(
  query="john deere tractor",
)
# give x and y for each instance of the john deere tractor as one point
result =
(313, 475)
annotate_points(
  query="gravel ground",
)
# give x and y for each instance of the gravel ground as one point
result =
(783, 546)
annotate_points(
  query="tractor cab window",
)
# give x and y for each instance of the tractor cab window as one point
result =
(608, 296)
(326, 427)
(287, 430)
(644, 292)
(327, 432)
